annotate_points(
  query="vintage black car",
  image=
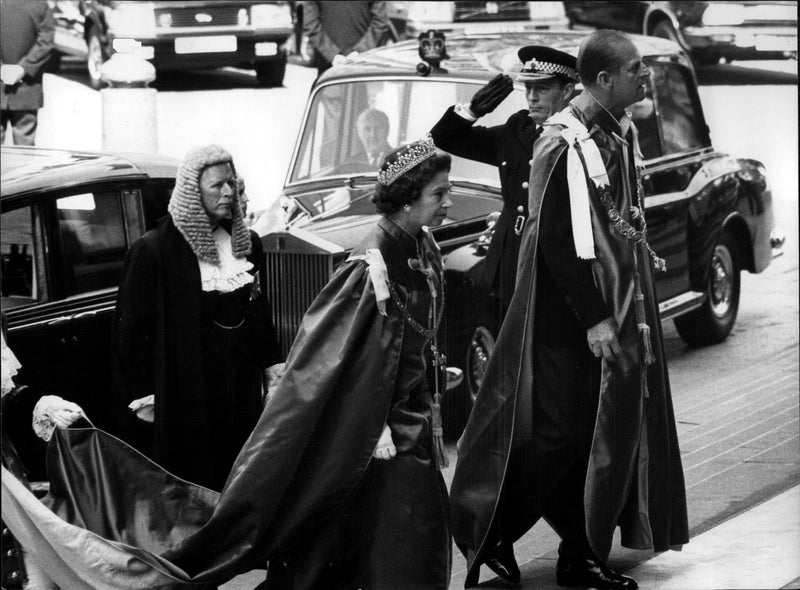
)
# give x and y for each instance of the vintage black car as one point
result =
(707, 31)
(709, 214)
(67, 220)
(194, 34)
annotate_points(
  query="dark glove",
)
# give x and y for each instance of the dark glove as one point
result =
(491, 95)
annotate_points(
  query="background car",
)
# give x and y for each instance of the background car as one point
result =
(196, 34)
(709, 214)
(68, 218)
(484, 17)
(707, 31)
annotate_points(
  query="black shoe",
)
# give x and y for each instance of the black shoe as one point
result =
(501, 561)
(591, 572)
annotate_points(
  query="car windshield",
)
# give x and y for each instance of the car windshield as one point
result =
(351, 125)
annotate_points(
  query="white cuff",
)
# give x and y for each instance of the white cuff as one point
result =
(463, 111)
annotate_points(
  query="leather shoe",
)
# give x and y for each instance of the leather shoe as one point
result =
(502, 562)
(591, 572)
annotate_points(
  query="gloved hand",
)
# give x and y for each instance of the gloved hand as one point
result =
(491, 95)
(51, 411)
(385, 448)
(144, 408)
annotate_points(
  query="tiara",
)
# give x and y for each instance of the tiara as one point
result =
(413, 154)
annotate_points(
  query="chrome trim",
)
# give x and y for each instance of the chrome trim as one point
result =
(681, 304)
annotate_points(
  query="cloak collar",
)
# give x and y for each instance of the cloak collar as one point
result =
(408, 243)
(590, 111)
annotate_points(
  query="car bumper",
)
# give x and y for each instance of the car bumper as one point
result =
(211, 50)
(742, 42)
(471, 28)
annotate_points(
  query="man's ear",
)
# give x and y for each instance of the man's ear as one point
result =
(603, 79)
(569, 90)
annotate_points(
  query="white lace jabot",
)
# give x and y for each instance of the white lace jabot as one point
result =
(231, 273)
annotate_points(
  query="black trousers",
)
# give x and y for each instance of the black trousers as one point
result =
(547, 469)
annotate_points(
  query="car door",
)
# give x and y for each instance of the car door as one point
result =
(674, 141)
(65, 254)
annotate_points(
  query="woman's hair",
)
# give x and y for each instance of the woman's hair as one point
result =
(408, 188)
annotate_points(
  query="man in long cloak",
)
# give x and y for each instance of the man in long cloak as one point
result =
(574, 420)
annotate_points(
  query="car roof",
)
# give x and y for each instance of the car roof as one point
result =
(481, 55)
(29, 170)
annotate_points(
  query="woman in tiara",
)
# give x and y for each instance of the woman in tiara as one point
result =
(373, 457)
(338, 486)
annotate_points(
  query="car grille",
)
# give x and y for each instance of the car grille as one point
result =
(491, 11)
(186, 17)
(293, 281)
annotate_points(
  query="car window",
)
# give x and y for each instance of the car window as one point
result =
(680, 123)
(644, 117)
(349, 122)
(92, 233)
(20, 258)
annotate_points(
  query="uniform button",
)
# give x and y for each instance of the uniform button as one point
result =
(520, 209)
(525, 184)
(503, 163)
(15, 575)
(530, 162)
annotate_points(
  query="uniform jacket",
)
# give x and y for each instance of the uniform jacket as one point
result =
(26, 39)
(508, 147)
(634, 479)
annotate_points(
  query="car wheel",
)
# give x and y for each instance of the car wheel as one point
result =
(711, 323)
(96, 57)
(271, 73)
(480, 350)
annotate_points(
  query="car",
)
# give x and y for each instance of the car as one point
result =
(186, 35)
(484, 17)
(707, 31)
(68, 218)
(709, 213)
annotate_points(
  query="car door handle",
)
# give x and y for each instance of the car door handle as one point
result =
(84, 314)
(60, 320)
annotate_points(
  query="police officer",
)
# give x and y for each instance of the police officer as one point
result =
(549, 76)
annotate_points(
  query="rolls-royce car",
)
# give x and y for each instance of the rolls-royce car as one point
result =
(67, 220)
(709, 213)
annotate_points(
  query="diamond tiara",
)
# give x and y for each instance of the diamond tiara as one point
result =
(413, 154)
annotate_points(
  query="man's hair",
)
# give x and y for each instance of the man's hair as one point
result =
(601, 51)
(375, 114)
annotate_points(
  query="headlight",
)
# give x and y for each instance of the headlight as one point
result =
(723, 14)
(431, 12)
(132, 20)
(270, 16)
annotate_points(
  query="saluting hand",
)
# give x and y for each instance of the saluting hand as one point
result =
(487, 98)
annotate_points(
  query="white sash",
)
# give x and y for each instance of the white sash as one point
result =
(575, 133)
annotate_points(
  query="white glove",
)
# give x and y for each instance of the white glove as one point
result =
(385, 448)
(11, 74)
(144, 408)
(50, 412)
(338, 59)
